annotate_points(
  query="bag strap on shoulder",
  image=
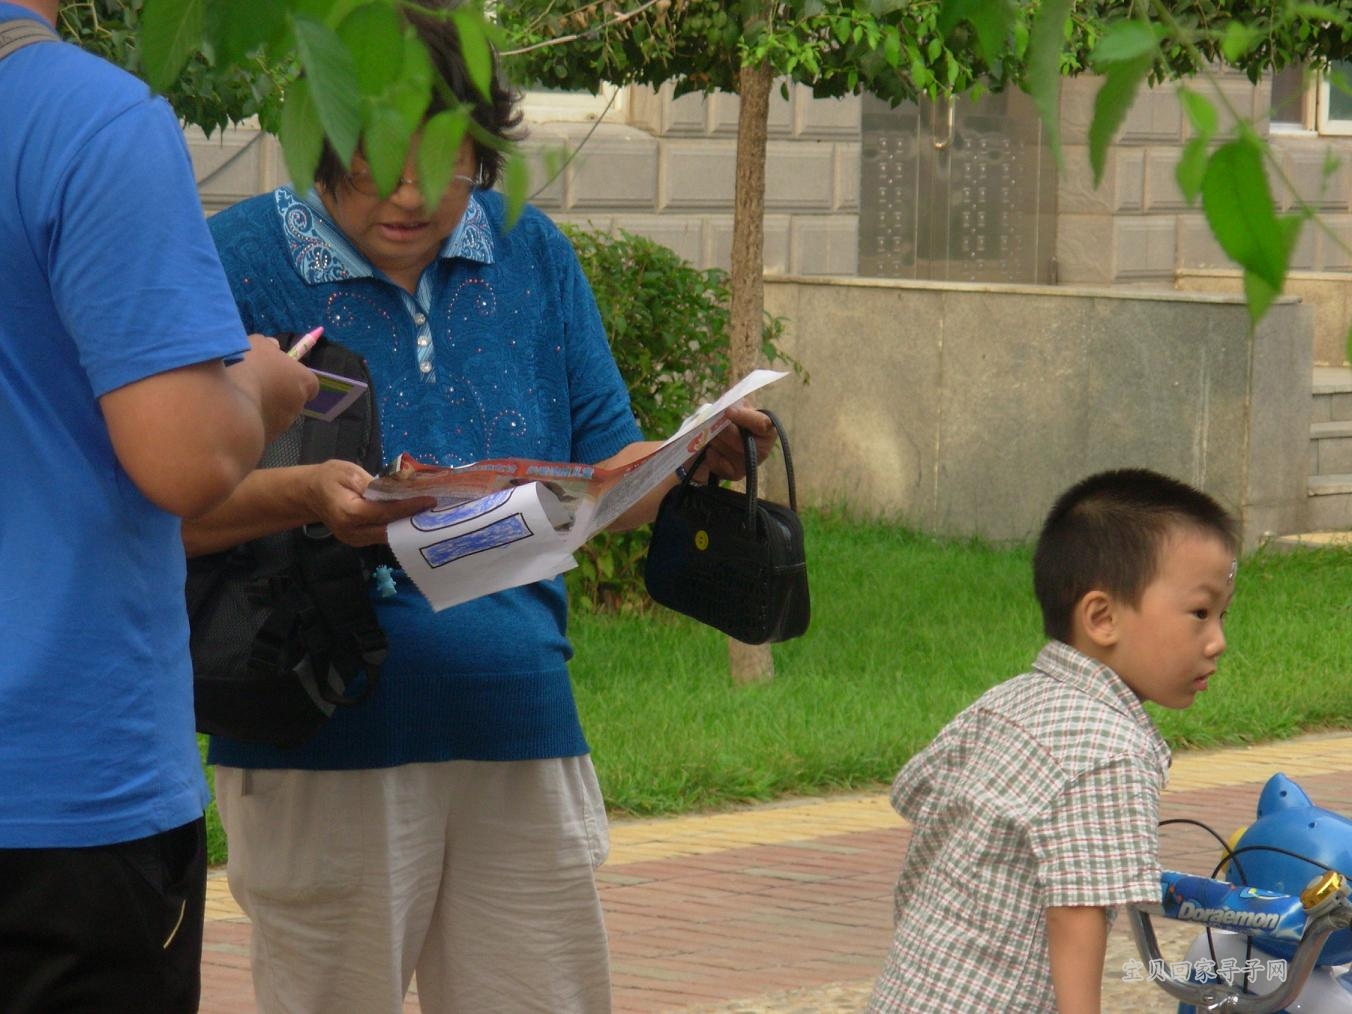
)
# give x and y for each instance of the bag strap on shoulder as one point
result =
(16, 34)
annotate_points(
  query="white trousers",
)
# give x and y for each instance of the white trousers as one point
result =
(476, 875)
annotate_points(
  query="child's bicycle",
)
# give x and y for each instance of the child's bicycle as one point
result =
(1277, 927)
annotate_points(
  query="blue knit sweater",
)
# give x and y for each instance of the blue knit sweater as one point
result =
(499, 353)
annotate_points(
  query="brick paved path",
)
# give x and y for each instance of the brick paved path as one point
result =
(786, 909)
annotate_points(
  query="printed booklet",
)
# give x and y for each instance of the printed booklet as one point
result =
(506, 522)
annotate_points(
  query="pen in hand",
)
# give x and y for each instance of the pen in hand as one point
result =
(305, 343)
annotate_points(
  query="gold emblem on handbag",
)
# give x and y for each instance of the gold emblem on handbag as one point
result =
(730, 559)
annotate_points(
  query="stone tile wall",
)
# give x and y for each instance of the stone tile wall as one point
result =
(664, 167)
(1136, 228)
(667, 170)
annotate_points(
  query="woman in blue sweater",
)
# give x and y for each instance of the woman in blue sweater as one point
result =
(450, 824)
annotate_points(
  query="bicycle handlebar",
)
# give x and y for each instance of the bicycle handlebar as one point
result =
(1309, 919)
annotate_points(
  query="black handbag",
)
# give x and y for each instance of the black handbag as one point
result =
(729, 559)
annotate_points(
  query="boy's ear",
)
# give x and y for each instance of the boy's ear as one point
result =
(1096, 617)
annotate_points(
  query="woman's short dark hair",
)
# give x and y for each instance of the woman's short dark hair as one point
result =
(1105, 533)
(496, 114)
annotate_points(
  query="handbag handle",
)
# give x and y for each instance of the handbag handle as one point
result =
(749, 450)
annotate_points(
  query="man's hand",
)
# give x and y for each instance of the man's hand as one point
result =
(279, 385)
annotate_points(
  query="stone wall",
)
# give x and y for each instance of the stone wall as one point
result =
(919, 408)
(667, 172)
(1136, 228)
(1328, 293)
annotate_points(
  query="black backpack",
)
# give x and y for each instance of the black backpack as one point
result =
(282, 628)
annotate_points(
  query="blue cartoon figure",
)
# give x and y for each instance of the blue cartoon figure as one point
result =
(1288, 820)
(1290, 843)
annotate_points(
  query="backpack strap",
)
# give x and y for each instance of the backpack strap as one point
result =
(336, 575)
(354, 435)
(336, 581)
(16, 34)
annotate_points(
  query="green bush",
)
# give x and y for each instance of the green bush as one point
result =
(668, 328)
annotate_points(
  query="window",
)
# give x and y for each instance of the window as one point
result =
(1305, 100)
(1292, 104)
(543, 104)
(1335, 99)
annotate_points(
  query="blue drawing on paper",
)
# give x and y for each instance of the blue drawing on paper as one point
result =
(500, 533)
(444, 517)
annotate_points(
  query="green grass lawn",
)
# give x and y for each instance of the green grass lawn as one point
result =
(906, 631)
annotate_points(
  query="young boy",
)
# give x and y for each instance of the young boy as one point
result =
(1035, 811)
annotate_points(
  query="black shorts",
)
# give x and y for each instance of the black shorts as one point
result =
(106, 929)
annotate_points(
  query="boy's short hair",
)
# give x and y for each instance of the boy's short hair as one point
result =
(1105, 533)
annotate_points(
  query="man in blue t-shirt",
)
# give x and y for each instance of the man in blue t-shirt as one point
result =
(118, 418)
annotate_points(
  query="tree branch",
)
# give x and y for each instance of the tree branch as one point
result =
(618, 19)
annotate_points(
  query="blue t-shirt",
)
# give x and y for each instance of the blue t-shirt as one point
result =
(107, 276)
(499, 353)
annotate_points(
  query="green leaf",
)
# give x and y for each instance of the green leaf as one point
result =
(374, 35)
(438, 151)
(1291, 225)
(1320, 12)
(1043, 80)
(238, 29)
(951, 12)
(1239, 209)
(385, 146)
(1238, 39)
(1330, 164)
(330, 12)
(1201, 113)
(474, 48)
(1111, 105)
(301, 134)
(171, 31)
(1259, 295)
(920, 74)
(1125, 41)
(990, 18)
(892, 47)
(412, 93)
(517, 185)
(333, 84)
(1191, 169)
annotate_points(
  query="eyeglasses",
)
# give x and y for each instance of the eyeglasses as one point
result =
(364, 183)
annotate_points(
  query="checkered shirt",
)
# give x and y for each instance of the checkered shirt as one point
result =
(1045, 792)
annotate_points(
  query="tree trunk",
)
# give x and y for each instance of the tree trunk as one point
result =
(749, 663)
